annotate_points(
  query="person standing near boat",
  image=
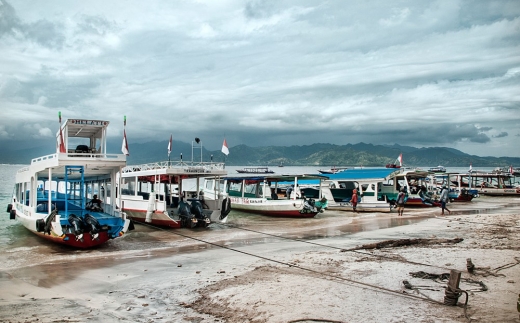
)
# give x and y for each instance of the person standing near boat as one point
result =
(401, 200)
(354, 200)
(444, 199)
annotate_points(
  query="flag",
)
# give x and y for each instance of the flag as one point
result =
(470, 168)
(124, 147)
(400, 159)
(225, 148)
(62, 142)
(170, 146)
(511, 169)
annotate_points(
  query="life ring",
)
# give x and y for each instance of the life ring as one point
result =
(518, 190)
(226, 208)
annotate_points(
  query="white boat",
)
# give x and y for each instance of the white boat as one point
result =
(338, 188)
(457, 183)
(52, 194)
(494, 183)
(332, 170)
(271, 195)
(163, 194)
(437, 169)
(418, 185)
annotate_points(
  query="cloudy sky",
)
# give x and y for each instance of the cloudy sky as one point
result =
(418, 73)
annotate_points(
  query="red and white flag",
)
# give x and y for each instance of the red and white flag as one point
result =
(124, 146)
(170, 146)
(62, 142)
(400, 159)
(225, 149)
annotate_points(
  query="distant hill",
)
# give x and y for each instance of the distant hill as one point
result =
(318, 154)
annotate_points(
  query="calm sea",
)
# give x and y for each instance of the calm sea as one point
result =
(20, 248)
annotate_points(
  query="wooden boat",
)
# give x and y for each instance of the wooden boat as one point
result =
(332, 170)
(338, 189)
(52, 194)
(418, 185)
(494, 183)
(399, 160)
(255, 170)
(271, 195)
(459, 191)
(438, 169)
(160, 194)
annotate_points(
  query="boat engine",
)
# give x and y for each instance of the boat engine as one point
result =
(187, 218)
(94, 226)
(77, 225)
(196, 210)
(308, 206)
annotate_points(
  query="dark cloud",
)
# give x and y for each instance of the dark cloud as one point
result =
(501, 135)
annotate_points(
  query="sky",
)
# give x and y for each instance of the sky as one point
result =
(265, 73)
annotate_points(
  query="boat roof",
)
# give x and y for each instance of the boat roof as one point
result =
(166, 169)
(363, 174)
(289, 178)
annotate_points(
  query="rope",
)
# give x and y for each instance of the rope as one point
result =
(316, 272)
(332, 247)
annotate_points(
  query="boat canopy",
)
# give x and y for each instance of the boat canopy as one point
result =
(301, 178)
(363, 173)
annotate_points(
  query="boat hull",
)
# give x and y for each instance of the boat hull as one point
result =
(65, 238)
(275, 208)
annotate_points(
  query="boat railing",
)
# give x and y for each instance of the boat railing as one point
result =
(189, 167)
(76, 156)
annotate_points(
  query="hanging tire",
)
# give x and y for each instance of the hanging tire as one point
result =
(9, 207)
(12, 214)
(226, 208)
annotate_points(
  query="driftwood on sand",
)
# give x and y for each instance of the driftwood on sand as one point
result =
(403, 242)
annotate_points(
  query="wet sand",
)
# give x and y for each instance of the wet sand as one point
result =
(278, 270)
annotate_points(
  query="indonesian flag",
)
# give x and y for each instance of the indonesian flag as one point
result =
(62, 142)
(124, 146)
(400, 159)
(511, 169)
(170, 146)
(225, 148)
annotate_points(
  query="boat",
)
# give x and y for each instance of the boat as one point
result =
(399, 160)
(457, 183)
(438, 169)
(332, 170)
(169, 194)
(418, 184)
(255, 170)
(494, 183)
(338, 188)
(53, 195)
(271, 195)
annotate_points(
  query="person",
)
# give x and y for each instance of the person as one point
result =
(401, 199)
(354, 200)
(444, 199)
(289, 190)
(95, 204)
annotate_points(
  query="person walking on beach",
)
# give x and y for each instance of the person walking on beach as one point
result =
(444, 199)
(354, 200)
(401, 199)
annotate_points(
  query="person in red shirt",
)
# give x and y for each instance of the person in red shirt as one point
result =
(354, 200)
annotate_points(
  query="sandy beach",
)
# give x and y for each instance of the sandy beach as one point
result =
(275, 272)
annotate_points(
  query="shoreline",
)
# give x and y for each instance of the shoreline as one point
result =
(269, 279)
